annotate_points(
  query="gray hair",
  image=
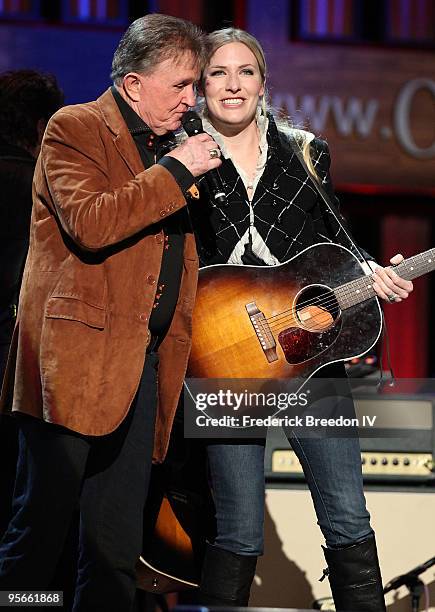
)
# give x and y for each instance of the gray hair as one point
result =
(154, 38)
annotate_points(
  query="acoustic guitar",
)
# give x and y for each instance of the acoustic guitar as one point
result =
(271, 322)
(288, 320)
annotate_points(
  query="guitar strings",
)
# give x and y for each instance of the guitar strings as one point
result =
(274, 323)
(324, 304)
(326, 298)
(320, 301)
(277, 327)
(317, 327)
(343, 292)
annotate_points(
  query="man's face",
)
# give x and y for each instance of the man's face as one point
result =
(164, 95)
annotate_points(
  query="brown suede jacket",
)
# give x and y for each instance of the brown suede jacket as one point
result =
(90, 279)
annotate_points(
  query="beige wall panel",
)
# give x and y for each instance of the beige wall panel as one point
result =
(288, 574)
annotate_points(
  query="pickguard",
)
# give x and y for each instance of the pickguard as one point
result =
(301, 345)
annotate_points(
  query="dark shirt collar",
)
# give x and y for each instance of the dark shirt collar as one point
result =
(135, 124)
(138, 128)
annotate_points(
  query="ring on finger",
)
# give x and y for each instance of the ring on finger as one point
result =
(214, 153)
(392, 298)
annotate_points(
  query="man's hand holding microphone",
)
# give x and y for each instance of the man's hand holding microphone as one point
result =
(201, 155)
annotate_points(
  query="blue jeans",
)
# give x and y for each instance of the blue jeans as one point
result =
(332, 468)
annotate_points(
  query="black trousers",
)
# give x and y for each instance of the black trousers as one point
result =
(107, 477)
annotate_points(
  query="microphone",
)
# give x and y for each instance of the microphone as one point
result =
(192, 125)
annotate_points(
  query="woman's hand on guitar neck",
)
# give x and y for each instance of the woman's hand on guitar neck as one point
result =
(388, 284)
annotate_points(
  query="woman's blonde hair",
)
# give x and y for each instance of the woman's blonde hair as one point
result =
(222, 37)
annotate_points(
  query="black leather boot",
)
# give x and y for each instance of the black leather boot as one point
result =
(226, 578)
(355, 577)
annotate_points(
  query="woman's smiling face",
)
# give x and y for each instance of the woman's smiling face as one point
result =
(232, 86)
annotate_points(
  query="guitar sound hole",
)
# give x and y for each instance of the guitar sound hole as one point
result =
(316, 308)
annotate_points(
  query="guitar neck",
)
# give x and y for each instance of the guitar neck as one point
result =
(361, 289)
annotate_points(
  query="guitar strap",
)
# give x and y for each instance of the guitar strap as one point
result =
(325, 198)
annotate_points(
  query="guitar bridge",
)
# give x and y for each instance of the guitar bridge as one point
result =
(262, 331)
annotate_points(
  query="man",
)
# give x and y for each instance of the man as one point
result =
(27, 100)
(111, 275)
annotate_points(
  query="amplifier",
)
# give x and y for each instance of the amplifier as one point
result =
(401, 446)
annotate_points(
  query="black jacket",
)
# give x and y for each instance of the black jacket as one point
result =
(289, 213)
(16, 174)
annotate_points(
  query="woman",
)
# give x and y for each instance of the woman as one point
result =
(272, 213)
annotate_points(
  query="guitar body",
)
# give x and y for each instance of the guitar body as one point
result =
(294, 309)
(178, 517)
(174, 538)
